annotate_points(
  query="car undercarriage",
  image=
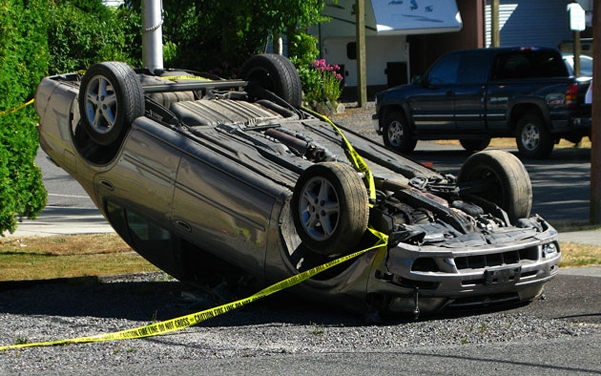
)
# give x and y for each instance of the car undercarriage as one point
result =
(238, 172)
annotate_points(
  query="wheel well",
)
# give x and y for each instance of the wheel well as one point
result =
(388, 109)
(520, 110)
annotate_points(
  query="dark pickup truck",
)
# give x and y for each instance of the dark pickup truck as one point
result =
(473, 95)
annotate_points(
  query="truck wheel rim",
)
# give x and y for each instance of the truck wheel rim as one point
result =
(530, 137)
(395, 133)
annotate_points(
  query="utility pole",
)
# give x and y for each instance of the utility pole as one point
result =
(152, 34)
(361, 55)
(495, 37)
(595, 210)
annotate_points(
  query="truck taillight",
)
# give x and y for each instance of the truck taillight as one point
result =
(572, 95)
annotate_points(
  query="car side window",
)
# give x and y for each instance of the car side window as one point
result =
(149, 237)
(445, 71)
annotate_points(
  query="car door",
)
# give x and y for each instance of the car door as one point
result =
(222, 206)
(433, 107)
(143, 177)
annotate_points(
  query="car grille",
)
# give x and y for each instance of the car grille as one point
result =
(428, 264)
(497, 259)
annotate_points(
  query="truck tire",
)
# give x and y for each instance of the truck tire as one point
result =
(110, 98)
(277, 74)
(502, 179)
(330, 208)
(397, 134)
(476, 144)
(533, 138)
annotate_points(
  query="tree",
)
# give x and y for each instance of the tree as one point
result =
(219, 35)
(84, 32)
(23, 62)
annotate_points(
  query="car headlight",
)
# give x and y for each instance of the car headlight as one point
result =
(550, 250)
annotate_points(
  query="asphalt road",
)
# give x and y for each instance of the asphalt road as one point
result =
(560, 184)
(69, 209)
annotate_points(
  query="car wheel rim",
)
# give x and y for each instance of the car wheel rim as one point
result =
(530, 137)
(101, 104)
(395, 133)
(319, 209)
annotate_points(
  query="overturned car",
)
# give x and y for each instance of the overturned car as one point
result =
(199, 174)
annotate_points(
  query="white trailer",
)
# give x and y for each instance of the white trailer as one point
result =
(388, 22)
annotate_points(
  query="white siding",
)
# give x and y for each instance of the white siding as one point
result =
(542, 23)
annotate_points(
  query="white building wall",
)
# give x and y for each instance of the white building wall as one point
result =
(379, 51)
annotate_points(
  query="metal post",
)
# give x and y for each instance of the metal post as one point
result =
(361, 55)
(577, 50)
(595, 209)
(152, 34)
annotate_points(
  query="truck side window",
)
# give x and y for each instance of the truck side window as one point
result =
(473, 69)
(529, 64)
(445, 71)
(512, 66)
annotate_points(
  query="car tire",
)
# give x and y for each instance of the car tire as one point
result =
(110, 98)
(397, 134)
(330, 208)
(277, 74)
(473, 145)
(533, 139)
(502, 179)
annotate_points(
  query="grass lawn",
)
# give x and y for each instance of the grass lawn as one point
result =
(38, 257)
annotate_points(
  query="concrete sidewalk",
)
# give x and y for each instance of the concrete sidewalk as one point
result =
(591, 237)
(63, 221)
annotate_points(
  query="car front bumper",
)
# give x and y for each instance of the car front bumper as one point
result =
(428, 278)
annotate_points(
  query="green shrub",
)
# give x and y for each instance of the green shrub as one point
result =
(302, 47)
(321, 85)
(84, 32)
(23, 62)
(321, 81)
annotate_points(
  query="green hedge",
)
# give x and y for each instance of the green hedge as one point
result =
(23, 62)
(84, 32)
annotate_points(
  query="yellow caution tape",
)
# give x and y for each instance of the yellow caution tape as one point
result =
(15, 109)
(195, 318)
(359, 163)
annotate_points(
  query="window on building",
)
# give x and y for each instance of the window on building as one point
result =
(351, 51)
